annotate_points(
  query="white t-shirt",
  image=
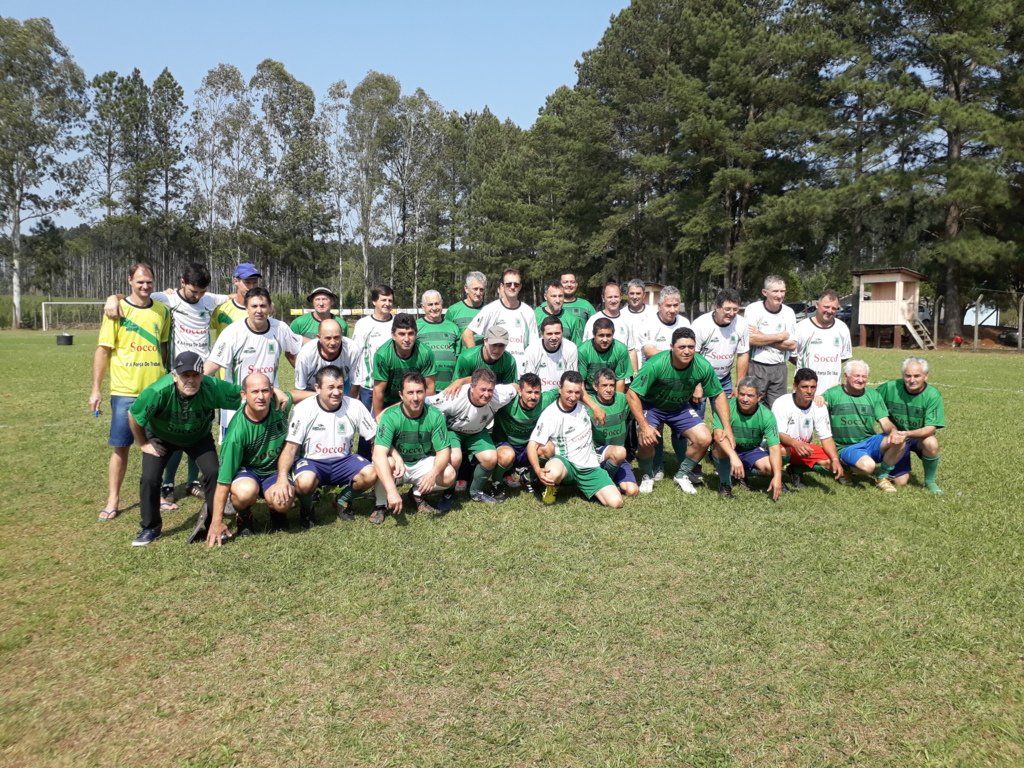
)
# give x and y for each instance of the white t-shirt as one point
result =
(801, 423)
(190, 329)
(570, 432)
(623, 328)
(550, 365)
(657, 332)
(327, 434)
(719, 345)
(770, 323)
(462, 416)
(309, 362)
(521, 324)
(240, 350)
(368, 335)
(823, 350)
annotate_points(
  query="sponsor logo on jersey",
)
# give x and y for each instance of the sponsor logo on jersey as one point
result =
(267, 369)
(249, 351)
(318, 428)
(330, 450)
(142, 347)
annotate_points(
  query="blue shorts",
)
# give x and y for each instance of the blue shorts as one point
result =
(903, 465)
(521, 459)
(751, 457)
(262, 482)
(624, 473)
(726, 387)
(680, 421)
(120, 433)
(338, 472)
(872, 447)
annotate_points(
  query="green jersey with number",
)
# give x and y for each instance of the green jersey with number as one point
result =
(472, 358)
(462, 315)
(909, 412)
(389, 367)
(445, 341)
(750, 430)
(253, 445)
(613, 432)
(179, 420)
(513, 424)
(667, 388)
(414, 439)
(853, 417)
(307, 326)
(590, 361)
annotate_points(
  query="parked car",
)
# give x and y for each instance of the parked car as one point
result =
(924, 314)
(807, 311)
(1008, 337)
(845, 313)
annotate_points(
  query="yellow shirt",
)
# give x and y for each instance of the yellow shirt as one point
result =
(135, 338)
(226, 314)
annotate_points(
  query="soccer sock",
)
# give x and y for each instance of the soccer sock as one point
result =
(193, 471)
(306, 503)
(480, 477)
(931, 465)
(884, 470)
(345, 495)
(686, 466)
(173, 462)
(724, 468)
(821, 469)
(500, 470)
(679, 446)
(659, 457)
(646, 467)
(613, 466)
(380, 496)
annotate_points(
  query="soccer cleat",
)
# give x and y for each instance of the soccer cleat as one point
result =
(885, 484)
(498, 494)
(659, 475)
(787, 488)
(796, 481)
(147, 536)
(550, 493)
(684, 484)
(741, 483)
(460, 486)
(483, 498)
(696, 478)
(646, 484)
(512, 482)
(845, 482)
(378, 514)
(725, 492)
(278, 522)
(444, 505)
(196, 489)
(933, 488)
(307, 518)
(246, 524)
(344, 509)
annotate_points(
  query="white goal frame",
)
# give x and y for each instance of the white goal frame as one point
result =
(46, 304)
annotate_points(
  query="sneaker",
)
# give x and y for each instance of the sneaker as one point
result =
(796, 481)
(147, 536)
(512, 482)
(646, 484)
(378, 514)
(725, 492)
(278, 522)
(550, 493)
(483, 498)
(684, 484)
(344, 510)
(444, 505)
(196, 489)
(885, 484)
(696, 477)
(659, 475)
(307, 519)
(498, 494)
(460, 486)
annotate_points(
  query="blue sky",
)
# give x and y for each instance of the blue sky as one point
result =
(465, 55)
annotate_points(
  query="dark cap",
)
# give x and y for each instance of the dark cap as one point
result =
(188, 361)
(496, 334)
(245, 271)
(324, 290)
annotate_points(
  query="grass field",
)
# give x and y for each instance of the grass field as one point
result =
(837, 627)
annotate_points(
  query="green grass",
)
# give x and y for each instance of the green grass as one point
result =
(837, 627)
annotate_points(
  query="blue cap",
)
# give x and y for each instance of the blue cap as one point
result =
(245, 271)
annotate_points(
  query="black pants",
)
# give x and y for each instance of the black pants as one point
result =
(205, 455)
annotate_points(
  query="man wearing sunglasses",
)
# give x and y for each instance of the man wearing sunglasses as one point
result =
(510, 313)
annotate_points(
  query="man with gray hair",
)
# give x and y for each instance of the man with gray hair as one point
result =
(916, 409)
(772, 339)
(656, 334)
(443, 337)
(463, 312)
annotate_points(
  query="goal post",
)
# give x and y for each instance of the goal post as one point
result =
(73, 314)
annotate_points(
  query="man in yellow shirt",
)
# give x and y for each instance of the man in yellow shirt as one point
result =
(133, 347)
(246, 276)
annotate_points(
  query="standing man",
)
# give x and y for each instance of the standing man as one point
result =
(723, 338)
(514, 424)
(660, 394)
(853, 410)
(575, 305)
(398, 356)
(772, 339)
(510, 313)
(443, 337)
(572, 326)
(463, 312)
(637, 307)
(491, 354)
(564, 432)
(798, 417)
(611, 310)
(246, 277)
(332, 347)
(656, 334)
(323, 301)
(133, 348)
(915, 407)
(823, 342)
(551, 355)
(610, 437)
(371, 332)
(418, 434)
(752, 425)
(325, 427)
(604, 351)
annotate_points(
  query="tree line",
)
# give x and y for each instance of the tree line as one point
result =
(703, 144)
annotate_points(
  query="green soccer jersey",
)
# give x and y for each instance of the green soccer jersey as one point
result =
(513, 424)
(572, 326)
(307, 326)
(253, 445)
(853, 418)
(472, 358)
(578, 307)
(662, 386)
(750, 429)
(178, 420)
(414, 439)
(445, 341)
(616, 418)
(462, 315)
(909, 412)
(389, 367)
(590, 361)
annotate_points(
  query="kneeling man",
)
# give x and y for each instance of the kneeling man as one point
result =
(752, 424)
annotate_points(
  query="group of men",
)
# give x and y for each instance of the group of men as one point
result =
(495, 396)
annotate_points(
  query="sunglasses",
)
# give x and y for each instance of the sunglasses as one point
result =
(513, 285)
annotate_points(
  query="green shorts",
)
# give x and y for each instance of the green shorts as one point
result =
(590, 480)
(470, 445)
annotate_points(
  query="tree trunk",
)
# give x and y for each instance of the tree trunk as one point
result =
(16, 263)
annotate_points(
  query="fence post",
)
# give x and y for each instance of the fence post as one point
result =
(977, 319)
(1020, 322)
(935, 320)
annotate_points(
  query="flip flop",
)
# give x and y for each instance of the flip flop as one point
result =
(168, 506)
(108, 514)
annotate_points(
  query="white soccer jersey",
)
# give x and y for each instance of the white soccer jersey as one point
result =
(570, 432)
(190, 323)
(309, 362)
(770, 323)
(623, 328)
(240, 350)
(801, 423)
(465, 418)
(521, 324)
(327, 434)
(719, 345)
(823, 350)
(657, 332)
(550, 365)
(368, 335)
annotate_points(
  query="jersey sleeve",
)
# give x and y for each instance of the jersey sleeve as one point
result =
(301, 365)
(769, 426)
(108, 332)
(297, 427)
(145, 406)
(386, 429)
(165, 325)
(364, 422)
(880, 410)
(542, 430)
(708, 378)
(290, 341)
(506, 371)
(222, 350)
(228, 394)
(822, 423)
(438, 432)
(531, 326)
(935, 414)
(645, 377)
(483, 319)
(504, 394)
(378, 372)
(743, 338)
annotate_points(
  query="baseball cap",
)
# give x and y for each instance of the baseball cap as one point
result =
(496, 334)
(322, 289)
(245, 271)
(188, 361)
